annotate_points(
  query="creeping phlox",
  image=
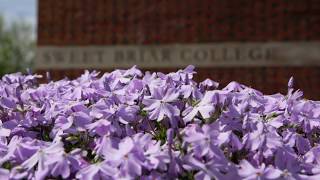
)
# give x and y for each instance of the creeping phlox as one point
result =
(127, 124)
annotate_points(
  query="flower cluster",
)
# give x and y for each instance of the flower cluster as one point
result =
(127, 124)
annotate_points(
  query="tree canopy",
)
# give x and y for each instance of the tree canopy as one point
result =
(17, 45)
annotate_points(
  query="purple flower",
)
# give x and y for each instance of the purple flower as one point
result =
(96, 171)
(128, 114)
(302, 144)
(208, 84)
(304, 114)
(7, 103)
(290, 83)
(64, 164)
(40, 160)
(229, 138)
(4, 174)
(19, 149)
(159, 104)
(247, 171)
(259, 139)
(190, 91)
(203, 141)
(205, 107)
(155, 156)
(154, 175)
(103, 127)
(125, 158)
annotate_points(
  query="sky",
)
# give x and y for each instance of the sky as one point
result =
(19, 9)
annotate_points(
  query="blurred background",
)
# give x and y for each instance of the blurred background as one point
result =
(17, 35)
(50, 35)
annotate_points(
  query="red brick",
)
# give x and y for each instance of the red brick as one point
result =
(107, 22)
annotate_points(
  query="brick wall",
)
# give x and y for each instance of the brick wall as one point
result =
(107, 22)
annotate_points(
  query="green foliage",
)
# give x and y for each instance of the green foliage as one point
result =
(161, 133)
(7, 165)
(189, 175)
(17, 46)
